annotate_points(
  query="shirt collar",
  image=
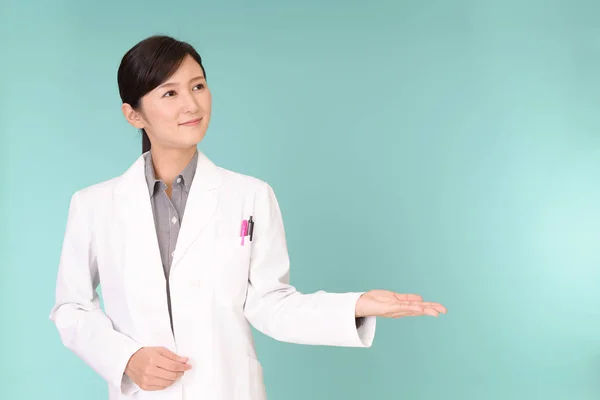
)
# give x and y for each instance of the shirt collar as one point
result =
(187, 175)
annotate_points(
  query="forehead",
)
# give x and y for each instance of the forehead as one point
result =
(187, 70)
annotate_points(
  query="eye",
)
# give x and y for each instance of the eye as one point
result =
(199, 86)
(170, 93)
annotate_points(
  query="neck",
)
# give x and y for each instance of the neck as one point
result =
(168, 163)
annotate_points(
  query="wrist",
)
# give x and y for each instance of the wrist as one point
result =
(358, 308)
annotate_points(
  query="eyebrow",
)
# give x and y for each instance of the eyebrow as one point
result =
(197, 78)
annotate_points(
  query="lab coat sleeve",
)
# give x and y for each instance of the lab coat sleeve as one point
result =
(277, 309)
(82, 325)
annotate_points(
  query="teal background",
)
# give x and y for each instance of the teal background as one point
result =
(446, 148)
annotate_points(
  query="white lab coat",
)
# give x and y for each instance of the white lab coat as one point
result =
(217, 286)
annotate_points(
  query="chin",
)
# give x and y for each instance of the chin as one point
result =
(193, 140)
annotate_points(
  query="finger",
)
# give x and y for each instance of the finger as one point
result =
(165, 374)
(406, 314)
(407, 307)
(440, 308)
(430, 311)
(436, 306)
(414, 314)
(173, 366)
(171, 356)
(417, 311)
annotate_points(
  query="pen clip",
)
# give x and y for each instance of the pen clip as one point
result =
(250, 227)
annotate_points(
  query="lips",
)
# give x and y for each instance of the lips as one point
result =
(192, 122)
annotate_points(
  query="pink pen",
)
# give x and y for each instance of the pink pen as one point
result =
(244, 230)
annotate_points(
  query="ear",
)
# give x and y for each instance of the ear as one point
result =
(133, 117)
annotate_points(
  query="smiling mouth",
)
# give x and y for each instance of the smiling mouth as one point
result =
(192, 122)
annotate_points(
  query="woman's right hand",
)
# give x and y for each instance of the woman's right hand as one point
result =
(155, 368)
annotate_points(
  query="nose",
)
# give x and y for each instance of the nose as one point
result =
(189, 104)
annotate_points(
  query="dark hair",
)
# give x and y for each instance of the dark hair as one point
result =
(147, 65)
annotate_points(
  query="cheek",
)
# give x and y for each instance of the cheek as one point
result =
(163, 114)
(206, 101)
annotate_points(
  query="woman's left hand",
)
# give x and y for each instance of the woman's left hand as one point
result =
(383, 303)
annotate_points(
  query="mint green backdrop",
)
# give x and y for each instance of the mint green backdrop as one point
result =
(446, 148)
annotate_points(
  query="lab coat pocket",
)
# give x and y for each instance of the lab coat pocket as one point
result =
(238, 248)
(233, 242)
(251, 380)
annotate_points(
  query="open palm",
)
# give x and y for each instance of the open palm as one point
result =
(387, 304)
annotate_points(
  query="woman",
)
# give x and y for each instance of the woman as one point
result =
(188, 255)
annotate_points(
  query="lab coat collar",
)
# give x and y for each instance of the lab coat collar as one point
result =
(132, 192)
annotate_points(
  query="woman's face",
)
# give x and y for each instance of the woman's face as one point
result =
(176, 114)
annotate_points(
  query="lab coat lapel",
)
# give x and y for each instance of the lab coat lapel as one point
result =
(200, 206)
(144, 278)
